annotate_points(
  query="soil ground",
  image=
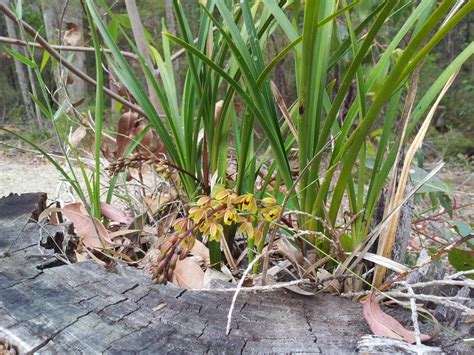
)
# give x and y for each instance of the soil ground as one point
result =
(23, 173)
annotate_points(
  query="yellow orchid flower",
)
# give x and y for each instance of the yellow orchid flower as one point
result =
(269, 201)
(230, 216)
(181, 225)
(247, 202)
(214, 230)
(197, 214)
(204, 201)
(246, 228)
(223, 194)
(272, 214)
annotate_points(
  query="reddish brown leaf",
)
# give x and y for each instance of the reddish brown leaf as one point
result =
(384, 325)
(115, 214)
(86, 226)
(124, 128)
(107, 152)
(147, 139)
(159, 148)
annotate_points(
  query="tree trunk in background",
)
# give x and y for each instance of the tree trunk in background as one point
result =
(139, 35)
(32, 80)
(59, 15)
(21, 74)
(170, 21)
(171, 26)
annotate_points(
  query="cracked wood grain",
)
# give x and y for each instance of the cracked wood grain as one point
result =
(83, 308)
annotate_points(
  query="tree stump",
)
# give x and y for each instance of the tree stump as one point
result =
(83, 308)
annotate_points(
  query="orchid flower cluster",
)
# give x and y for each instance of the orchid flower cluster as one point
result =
(207, 218)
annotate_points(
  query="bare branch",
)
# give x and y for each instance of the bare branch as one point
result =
(19, 42)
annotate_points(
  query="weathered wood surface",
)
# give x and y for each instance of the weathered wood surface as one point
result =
(82, 308)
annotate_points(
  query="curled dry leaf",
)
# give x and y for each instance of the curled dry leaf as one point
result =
(188, 274)
(115, 214)
(147, 138)
(86, 226)
(299, 290)
(384, 325)
(107, 152)
(52, 213)
(156, 204)
(78, 102)
(125, 126)
(73, 34)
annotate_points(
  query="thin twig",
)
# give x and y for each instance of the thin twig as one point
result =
(19, 42)
(468, 283)
(238, 289)
(414, 316)
(274, 287)
(460, 273)
(434, 217)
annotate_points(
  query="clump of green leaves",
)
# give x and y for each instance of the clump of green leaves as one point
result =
(351, 80)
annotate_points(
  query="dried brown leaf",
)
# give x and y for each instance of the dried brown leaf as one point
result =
(333, 286)
(73, 34)
(217, 110)
(147, 138)
(125, 126)
(69, 80)
(78, 102)
(284, 248)
(87, 228)
(199, 249)
(188, 274)
(52, 213)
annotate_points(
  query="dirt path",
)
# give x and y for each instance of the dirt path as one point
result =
(26, 173)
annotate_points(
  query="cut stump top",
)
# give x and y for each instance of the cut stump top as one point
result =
(83, 308)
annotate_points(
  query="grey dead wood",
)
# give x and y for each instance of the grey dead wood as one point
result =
(83, 308)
